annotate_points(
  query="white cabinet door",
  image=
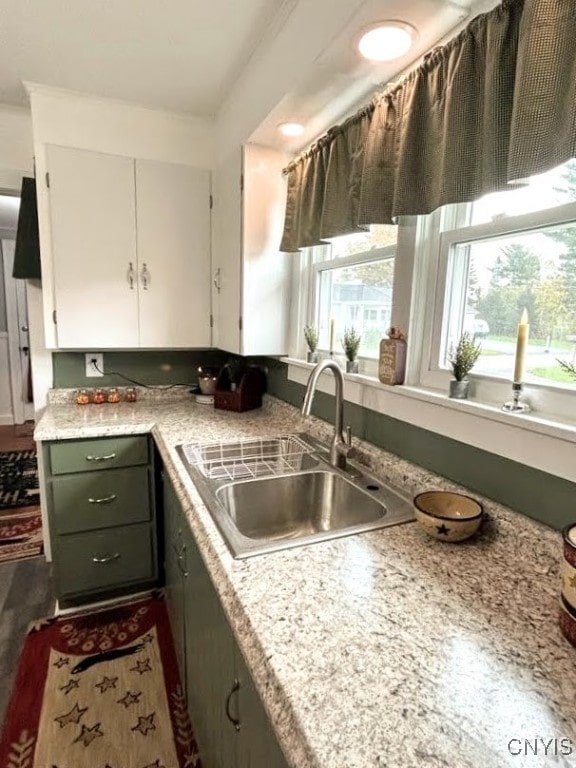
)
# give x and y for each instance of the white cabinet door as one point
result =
(92, 218)
(173, 234)
(266, 271)
(227, 253)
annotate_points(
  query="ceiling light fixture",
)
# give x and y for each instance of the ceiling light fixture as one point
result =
(386, 41)
(291, 129)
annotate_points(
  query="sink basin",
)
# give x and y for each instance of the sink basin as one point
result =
(272, 494)
(298, 505)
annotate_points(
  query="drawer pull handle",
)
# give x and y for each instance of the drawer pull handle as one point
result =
(104, 500)
(234, 720)
(106, 558)
(101, 458)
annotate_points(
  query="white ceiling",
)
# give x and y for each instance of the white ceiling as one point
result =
(186, 55)
(179, 55)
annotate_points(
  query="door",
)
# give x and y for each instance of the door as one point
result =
(227, 253)
(15, 344)
(173, 242)
(93, 224)
(209, 664)
(174, 571)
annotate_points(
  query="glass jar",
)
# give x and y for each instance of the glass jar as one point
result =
(82, 396)
(113, 395)
(131, 395)
(99, 397)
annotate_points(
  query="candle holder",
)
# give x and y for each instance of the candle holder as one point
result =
(516, 405)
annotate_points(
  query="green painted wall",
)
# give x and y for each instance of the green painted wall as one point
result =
(542, 496)
(158, 367)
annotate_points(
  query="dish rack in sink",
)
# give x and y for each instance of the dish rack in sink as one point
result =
(250, 457)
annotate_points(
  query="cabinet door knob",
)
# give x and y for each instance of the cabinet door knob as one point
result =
(106, 558)
(103, 500)
(217, 283)
(234, 720)
(101, 458)
(131, 275)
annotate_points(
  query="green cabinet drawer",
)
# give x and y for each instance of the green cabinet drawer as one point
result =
(89, 562)
(89, 500)
(102, 453)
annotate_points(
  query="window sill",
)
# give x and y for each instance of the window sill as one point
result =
(540, 441)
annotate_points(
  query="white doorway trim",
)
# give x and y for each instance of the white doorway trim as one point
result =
(17, 326)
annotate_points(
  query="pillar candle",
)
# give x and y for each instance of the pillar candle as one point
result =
(521, 344)
(331, 336)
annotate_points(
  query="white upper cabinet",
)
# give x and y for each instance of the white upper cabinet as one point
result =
(251, 277)
(130, 251)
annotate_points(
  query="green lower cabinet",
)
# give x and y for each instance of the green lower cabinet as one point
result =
(229, 720)
(101, 504)
(174, 572)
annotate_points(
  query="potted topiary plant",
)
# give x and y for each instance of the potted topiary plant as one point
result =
(462, 360)
(311, 336)
(351, 343)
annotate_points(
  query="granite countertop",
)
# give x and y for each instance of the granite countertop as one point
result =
(386, 648)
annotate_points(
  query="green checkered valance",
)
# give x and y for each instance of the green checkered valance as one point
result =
(492, 107)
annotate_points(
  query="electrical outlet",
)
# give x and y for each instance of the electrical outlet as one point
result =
(91, 369)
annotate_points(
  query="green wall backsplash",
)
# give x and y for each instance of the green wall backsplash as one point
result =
(539, 495)
(158, 367)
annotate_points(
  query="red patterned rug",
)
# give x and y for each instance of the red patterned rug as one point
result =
(20, 534)
(99, 690)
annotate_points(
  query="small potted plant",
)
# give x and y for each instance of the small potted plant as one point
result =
(462, 360)
(351, 343)
(311, 336)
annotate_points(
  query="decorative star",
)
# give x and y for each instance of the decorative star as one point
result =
(72, 683)
(73, 716)
(443, 530)
(106, 683)
(572, 581)
(141, 667)
(87, 735)
(62, 662)
(145, 724)
(130, 698)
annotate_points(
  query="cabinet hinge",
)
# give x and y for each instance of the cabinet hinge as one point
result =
(47, 179)
(211, 321)
(54, 317)
(211, 202)
(240, 322)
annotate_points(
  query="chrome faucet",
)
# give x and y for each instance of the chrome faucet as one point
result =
(341, 447)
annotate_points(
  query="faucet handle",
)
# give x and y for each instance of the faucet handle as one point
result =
(349, 436)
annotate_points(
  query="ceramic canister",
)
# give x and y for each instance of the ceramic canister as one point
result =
(568, 596)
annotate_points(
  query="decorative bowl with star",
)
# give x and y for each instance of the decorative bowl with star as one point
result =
(447, 516)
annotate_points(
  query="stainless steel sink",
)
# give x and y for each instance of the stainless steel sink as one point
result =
(281, 492)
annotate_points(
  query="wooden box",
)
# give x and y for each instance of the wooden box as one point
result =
(248, 392)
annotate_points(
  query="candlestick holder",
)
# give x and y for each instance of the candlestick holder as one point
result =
(516, 405)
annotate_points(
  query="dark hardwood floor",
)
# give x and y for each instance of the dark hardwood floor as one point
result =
(25, 591)
(25, 595)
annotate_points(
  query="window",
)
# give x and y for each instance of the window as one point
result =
(351, 283)
(493, 258)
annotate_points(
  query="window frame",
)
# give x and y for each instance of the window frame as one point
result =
(440, 233)
(314, 262)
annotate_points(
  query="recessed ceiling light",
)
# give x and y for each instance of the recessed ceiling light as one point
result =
(291, 129)
(386, 41)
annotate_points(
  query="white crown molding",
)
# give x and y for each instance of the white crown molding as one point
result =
(67, 94)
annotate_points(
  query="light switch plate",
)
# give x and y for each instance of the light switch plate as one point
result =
(91, 370)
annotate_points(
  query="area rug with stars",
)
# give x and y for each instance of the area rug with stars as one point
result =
(100, 690)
